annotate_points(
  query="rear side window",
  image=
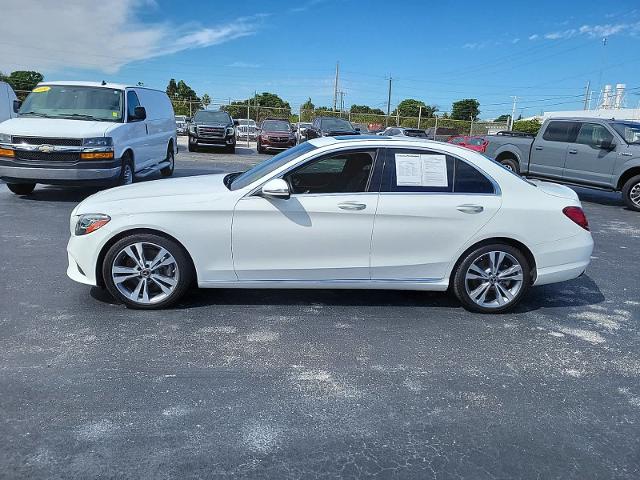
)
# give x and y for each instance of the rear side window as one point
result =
(561, 132)
(433, 173)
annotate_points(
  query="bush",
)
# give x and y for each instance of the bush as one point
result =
(527, 126)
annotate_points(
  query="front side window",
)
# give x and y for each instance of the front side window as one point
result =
(594, 135)
(561, 132)
(132, 103)
(344, 172)
(74, 102)
(422, 171)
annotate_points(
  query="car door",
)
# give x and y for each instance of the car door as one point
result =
(549, 153)
(591, 159)
(322, 232)
(430, 205)
(137, 136)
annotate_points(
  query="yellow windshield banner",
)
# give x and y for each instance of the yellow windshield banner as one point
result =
(41, 89)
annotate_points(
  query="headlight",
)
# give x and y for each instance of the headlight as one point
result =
(5, 138)
(230, 131)
(192, 129)
(98, 142)
(90, 222)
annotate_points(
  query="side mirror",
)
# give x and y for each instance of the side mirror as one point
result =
(276, 188)
(16, 105)
(294, 128)
(236, 122)
(140, 113)
(357, 129)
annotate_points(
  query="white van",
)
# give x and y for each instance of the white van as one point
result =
(8, 102)
(85, 133)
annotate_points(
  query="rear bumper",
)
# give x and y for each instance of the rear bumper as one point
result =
(564, 259)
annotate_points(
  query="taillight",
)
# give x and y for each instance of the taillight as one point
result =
(485, 144)
(577, 216)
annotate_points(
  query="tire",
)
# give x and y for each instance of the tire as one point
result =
(260, 149)
(127, 172)
(192, 146)
(163, 286)
(511, 164)
(492, 294)
(171, 157)
(21, 188)
(631, 193)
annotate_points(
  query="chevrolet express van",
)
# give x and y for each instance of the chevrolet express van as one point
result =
(86, 133)
(8, 102)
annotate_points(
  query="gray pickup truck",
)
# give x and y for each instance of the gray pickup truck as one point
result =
(587, 152)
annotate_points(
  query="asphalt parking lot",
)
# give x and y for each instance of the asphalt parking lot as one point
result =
(313, 384)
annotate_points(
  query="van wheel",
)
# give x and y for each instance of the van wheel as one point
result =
(127, 175)
(21, 188)
(171, 158)
(492, 278)
(147, 271)
(511, 164)
(630, 193)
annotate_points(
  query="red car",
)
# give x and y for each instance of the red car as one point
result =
(479, 144)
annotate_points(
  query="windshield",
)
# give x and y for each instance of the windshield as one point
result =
(74, 102)
(276, 126)
(268, 166)
(215, 117)
(336, 124)
(630, 131)
(251, 123)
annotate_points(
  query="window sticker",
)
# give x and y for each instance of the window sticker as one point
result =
(421, 170)
(41, 89)
(115, 114)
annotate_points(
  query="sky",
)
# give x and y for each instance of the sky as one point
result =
(542, 52)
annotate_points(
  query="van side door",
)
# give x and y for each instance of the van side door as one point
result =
(549, 150)
(160, 122)
(137, 136)
(592, 158)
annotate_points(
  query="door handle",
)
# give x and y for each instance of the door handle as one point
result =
(352, 206)
(573, 152)
(470, 208)
(538, 148)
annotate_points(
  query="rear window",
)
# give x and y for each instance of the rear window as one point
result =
(415, 133)
(561, 132)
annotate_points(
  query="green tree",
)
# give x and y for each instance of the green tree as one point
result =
(261, 106)
(410, 107)
(308, 105)
(503, 118)
(172, 88)
(184, 98)
(465, 109)
(22, 79)
(206, 100)
(365, 109)
(527, 126)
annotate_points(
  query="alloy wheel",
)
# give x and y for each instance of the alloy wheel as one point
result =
(127, 175)
(494, 279)
(145, 273)
(634, 194)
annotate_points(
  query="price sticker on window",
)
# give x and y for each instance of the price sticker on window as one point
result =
(421, 170)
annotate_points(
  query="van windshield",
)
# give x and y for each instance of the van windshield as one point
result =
(74, 102)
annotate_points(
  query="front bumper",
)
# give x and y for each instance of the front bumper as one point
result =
(271, 145)
(212, 141)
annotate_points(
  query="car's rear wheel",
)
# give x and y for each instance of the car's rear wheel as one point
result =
(631, 193)
(21, 188)
(147, 271)
(511, 164)
(171, 158)
(492, 278)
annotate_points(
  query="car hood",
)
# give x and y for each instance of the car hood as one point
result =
(55, 127)
(275, 133)
(555, 190)
(333, 133)
(159, 193)
(211, 124)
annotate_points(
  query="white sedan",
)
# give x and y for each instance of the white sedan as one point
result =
(346, 212)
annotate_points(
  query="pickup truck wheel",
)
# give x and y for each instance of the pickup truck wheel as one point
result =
(511, 164)
(192, 146)
(492, 278)
(631, 193)
(171, 158)
(21, 188)
(147, 271)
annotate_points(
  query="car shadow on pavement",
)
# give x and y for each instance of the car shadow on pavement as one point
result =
(599, 197)
(60, 194)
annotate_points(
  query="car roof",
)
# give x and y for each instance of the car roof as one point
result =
(116, 86)
(374, 140)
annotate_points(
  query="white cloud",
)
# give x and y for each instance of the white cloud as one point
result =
(104, 36)
(562, 34)
(594, 31)
(535, 36)
(244, 65)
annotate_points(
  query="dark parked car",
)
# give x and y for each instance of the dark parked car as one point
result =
(330, 127)
(404, 132)
(212, 129)
(442, 134)
(275, 134)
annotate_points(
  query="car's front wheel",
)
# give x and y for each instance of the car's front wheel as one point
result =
(21, 188)
(631, 193)
(492, 278)
(147, 271)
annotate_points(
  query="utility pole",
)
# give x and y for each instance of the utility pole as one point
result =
(341, 93)
(471, 127)
(386, 123)
(513, 113)
(586, 95)
(248, 116)
(419, 115)
(335, 86)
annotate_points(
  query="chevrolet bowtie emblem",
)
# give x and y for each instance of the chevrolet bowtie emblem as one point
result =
(46, 148)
